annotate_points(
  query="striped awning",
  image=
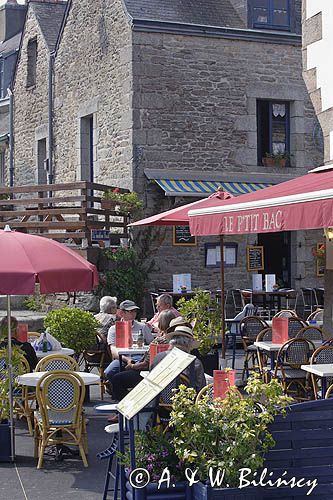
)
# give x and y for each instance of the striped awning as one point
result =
(174, 187)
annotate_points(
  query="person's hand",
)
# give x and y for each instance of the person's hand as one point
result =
(129, 366)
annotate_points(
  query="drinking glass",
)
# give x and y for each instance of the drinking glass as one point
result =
(135, 336)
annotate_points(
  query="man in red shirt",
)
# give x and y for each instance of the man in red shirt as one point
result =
(163, 303)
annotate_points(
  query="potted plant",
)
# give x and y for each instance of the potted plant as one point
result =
(225, 435)
(154, 452)
(127, 202)
(74, 328)
(275, 159)
(5, 448)
(205, 315)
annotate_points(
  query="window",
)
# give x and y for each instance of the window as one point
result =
(41, 162)
(273, 130)
(32, 62)
(2, 168)
(270, 14)
(2, 90)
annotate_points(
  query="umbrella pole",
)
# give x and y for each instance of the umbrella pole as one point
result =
(223, 360)
(10, 374)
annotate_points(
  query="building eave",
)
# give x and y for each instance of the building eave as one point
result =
(277, 37)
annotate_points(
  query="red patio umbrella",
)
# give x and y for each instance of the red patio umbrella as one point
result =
(179, 217)
(26, 260)
(302, 203)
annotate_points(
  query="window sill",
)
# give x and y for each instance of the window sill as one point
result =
(30, 87)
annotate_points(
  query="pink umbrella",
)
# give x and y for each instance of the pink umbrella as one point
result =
(26, 260)
(179, 217)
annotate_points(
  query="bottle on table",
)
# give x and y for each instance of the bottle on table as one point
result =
(140, 339)
(44, 343)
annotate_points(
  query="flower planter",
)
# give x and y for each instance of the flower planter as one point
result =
(268, 162)
(181, 491)
(108, 204)
(5, 446)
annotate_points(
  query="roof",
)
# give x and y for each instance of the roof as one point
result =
(49, 16)
(200, 12)
(10, 45)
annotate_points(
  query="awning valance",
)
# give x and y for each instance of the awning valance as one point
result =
(174, 187)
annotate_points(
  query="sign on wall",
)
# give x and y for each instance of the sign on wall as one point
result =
(255, 258)
(181, 236)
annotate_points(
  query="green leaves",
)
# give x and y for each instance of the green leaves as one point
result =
(231, 433)
(206, 313)
(17, 355)
(74, 328)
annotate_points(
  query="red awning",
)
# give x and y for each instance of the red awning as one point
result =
(302, 203)
(179, 216)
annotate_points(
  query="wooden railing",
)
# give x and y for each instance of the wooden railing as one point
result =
(60, 211)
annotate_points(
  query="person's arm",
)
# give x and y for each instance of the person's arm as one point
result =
(111, 342)
(153, 320)
(148, 336)
(199, 374)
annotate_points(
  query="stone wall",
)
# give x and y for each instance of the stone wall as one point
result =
(30, 106)
(93, 77)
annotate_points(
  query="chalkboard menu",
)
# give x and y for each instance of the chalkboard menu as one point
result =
(183, 237)
(255, 258)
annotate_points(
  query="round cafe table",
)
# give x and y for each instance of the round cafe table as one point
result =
(31, 379)
(63, 350)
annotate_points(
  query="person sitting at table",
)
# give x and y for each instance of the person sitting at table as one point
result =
(125, 380)
(107, 316)
(28, 350)
(163, 303)
(182, 338)
(129, 311)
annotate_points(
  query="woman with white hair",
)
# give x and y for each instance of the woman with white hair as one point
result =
(107, 316)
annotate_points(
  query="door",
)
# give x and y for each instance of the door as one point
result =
(277, 256)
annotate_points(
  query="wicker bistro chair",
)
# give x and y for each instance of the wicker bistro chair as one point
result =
(311, 333)
(57, 362)
(293, 354)
(250, 327)
(264, 335)
(208, 391)
(100, 359)
(322, 355)
(295, 324)
(318, 315)
(285, 313)
(60, 419)
(165, 402)
(32, 336)
(24, 397)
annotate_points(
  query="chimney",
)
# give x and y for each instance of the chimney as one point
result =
(12, 17)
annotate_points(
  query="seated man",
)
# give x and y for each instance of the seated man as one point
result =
(163, 303)
(28, 350)
(182, 338)
(107, 316)
(129, 311)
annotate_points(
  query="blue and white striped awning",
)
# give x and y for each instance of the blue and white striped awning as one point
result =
(180, 188)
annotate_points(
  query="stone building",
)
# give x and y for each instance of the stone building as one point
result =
(12, 17)
(173, 99)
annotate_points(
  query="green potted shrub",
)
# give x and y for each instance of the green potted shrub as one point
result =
(225, 435)
(74, 328)
(205, 314)
(122, 202)
(5, 442)
(275, 159)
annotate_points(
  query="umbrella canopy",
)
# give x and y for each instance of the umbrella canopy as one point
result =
(302, 203)
(179, 216)
(26, 259)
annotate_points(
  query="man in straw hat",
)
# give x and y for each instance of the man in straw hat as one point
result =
(181, 336)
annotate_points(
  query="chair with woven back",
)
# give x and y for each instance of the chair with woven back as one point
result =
(165, 402)
(98, 357)
(59, 420)
(317, 315)
(322, 355)
(311, 333)
(57, 362)
(250, 327)
(264, 336)
(32, 336)
(293, 354)
(295, 324)
(23, 396)
(207, 391)
(285, 313)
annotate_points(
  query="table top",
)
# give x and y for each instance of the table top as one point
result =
(31, 379)
(132, 350)
(322, 370)
(63, 350)
(270, 347)
(106, 408)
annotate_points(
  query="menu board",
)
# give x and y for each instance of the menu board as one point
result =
(255, 258)
(183, 237)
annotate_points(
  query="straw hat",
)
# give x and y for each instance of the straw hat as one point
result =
(184, 331)
(177, 322)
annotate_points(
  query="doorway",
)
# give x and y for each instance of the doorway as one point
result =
(277, 256)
